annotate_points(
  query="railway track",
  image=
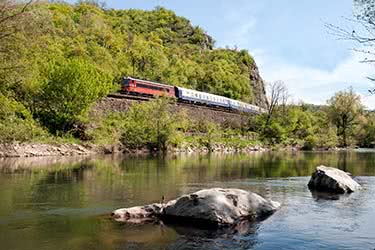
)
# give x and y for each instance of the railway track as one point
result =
(130, 97)
(186, 104)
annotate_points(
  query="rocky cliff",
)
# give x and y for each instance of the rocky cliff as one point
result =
(258, 86)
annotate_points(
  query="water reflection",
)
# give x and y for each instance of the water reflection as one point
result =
(64, 203)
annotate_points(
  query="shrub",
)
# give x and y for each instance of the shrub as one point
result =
(151, 125)
(310, 142)
(69, 90)
(16, 122)
(275, 133)
(108, 128)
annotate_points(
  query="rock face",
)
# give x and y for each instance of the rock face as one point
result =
(212, 206)
(258, 86)
(328, 179)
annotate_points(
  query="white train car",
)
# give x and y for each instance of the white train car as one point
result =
(194, 96)
(244, 107)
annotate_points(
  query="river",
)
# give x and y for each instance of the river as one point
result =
(64, 203)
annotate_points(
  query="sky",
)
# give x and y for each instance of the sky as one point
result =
(287, 38)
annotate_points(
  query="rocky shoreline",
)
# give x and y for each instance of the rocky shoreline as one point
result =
(44, 149)
(13, 150)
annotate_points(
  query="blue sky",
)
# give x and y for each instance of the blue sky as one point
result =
(287, 38)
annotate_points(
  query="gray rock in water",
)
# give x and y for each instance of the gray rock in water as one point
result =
(332, 180)
(221, 206)
(139, 214)
(212, 206)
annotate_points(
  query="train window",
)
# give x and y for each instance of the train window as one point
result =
(126, 82)
(146, 86)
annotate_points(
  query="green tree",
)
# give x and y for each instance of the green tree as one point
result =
(17, 22)
(151, 125)
(70, 88)
(344, 110)
(365, 133)
(211, 134)
(16, 122)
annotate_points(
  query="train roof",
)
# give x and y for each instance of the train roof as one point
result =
(156, 83)
(201, 92)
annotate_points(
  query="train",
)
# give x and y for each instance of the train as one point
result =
(133, 86)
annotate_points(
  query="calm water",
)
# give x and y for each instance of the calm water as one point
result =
(65, 204)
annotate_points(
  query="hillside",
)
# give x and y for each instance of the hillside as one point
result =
(155, 45)
(58, 59)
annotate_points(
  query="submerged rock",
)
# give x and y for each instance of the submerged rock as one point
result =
(329, 179)
(139, 214)
(210, 206)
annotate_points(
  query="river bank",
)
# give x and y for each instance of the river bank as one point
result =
(13, 150)
(65, 149)
(43, 149)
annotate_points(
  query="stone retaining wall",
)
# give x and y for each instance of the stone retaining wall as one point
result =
(196, 113)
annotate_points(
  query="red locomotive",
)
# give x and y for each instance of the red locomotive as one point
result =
(141, 87)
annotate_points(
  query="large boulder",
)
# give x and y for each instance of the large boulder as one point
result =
(211, 206)
(327, 179)
(221, 206)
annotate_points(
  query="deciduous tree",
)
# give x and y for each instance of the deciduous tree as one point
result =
(344, 109)
(70, 88)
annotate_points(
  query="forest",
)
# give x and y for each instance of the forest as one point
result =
(59, 59)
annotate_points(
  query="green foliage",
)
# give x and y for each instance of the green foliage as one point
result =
(274, 133)
(298, 126)
(69, 90)
(16, 122)
(310, 142)
(365, 133)
(155, 45)
(151, 125)
(108, 128)
(327, 138)
(211, 134)
(344, 110)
